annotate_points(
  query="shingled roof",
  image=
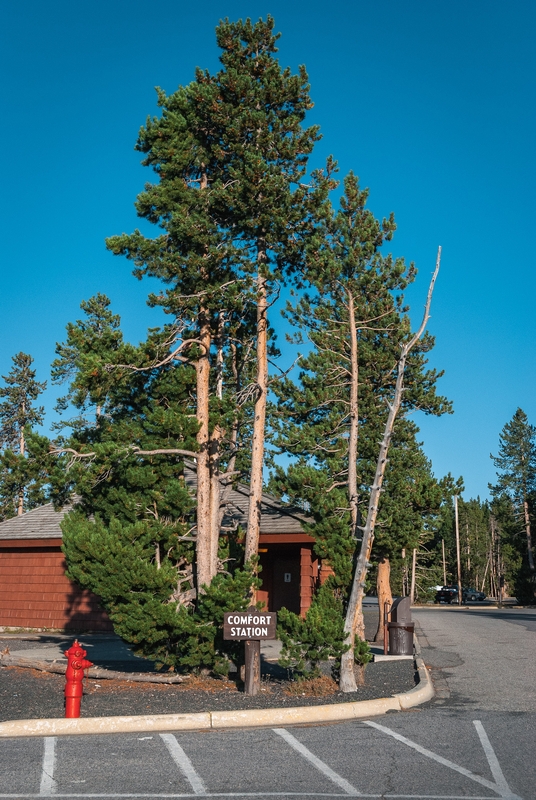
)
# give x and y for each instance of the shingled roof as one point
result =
(44, 522)
(40, 523)
(275, 518)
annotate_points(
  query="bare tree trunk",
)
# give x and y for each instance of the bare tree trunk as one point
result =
(383, 588)
(529, 537)
(203, 543)
(257, 447)
(22, 448)
(214, 449)
(485, 574)
(492, 561)
(468, 552)
(204, 546)
(215, 497)
(413, 575)
(354, 610)
(354, 418)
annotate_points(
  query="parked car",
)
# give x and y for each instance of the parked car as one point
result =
(447, 594)
(472, 594)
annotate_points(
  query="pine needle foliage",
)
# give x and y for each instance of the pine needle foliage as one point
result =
(330, 421)
(24, 461)
(316, 638)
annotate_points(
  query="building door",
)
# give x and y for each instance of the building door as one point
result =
(286, 583)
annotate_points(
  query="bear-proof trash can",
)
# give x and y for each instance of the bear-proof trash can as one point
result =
(401, 638)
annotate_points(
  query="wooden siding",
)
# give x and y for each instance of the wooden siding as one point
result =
(307, 581)
(35, 593)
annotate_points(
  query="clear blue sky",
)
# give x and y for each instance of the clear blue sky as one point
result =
(432, 104)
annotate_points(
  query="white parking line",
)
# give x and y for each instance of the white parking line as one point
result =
(187, 796)
(48, 784)
(327, 771)
(183, 762)
(494, 766)
(450, 764)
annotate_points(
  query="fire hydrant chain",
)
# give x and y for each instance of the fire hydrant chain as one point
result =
(74, 675)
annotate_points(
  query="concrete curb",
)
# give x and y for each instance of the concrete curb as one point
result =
(221, 720)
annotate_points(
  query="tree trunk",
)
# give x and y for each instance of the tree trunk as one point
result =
(257, 447)
(354, 612)
(413, 575)
(204, 546)
(215, 498)
(22, 446)
(529, 537)
(383, 588)
(214, 450)
(354, 419)
(203, 543)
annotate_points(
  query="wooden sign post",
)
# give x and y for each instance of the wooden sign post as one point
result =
(251, 627)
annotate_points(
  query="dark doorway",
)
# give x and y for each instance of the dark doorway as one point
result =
(286, 583)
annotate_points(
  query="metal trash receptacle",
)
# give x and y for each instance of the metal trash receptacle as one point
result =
(401, 638)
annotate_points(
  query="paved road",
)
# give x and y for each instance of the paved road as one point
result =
(468, 743)
(487, 657)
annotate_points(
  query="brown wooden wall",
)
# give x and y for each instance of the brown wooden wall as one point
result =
(35, 593)
(308, 578)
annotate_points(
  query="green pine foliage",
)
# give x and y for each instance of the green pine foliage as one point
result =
(347, 269)
(228, 152)
(130, 539)
(508, 553)
(362, 653)
(409, 512)
(515, 491)
(25, 476)
(140, 592)
(265, 148)
(17, 410)
(316, 638)
(91, 345)
(24, 462)
(516, 461)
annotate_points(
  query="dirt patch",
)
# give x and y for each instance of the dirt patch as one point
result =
(312, 687)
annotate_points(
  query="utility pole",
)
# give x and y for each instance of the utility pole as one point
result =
(458, 549)
(500, 569)
(444, 563)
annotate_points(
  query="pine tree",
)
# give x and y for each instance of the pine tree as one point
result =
(194, 257)
(22, 467)
(260, 114)
(82, 360)
(506, 553)
(332, 420)
(130, 539)
(229, 152)
(516, 473)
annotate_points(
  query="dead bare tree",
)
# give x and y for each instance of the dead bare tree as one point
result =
(354, 615)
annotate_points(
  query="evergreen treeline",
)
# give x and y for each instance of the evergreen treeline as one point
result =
(239, 217)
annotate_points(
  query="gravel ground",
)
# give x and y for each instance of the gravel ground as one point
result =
(30, 694)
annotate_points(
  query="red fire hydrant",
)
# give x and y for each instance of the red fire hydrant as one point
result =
(74, 674)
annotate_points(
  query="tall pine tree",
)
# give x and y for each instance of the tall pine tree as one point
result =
(229, 152)
(130, 538)
(516, 474)
(332, 420)
(23, 463)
